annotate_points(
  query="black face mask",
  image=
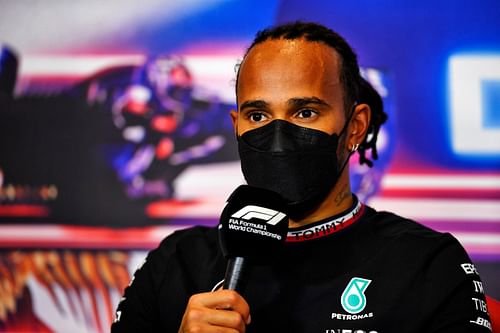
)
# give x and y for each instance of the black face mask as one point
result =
(299, 163)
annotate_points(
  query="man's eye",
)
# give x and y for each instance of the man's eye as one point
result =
(306, 113)
(256, 117)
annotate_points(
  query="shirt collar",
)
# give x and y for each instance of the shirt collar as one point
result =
(327, 226)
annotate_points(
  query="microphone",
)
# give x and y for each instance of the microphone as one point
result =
(252, 229)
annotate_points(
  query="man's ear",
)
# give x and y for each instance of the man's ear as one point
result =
(359, 125)
(234, 119)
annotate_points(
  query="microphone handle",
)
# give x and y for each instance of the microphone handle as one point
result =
(235, 272)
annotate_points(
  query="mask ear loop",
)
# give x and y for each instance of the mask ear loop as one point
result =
(348, 120)
(355, 147)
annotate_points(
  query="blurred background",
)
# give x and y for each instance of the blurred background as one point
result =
(115, 131)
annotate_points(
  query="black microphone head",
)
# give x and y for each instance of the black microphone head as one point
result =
(253, 224)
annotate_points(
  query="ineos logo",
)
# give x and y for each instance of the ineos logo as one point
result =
(271, 216)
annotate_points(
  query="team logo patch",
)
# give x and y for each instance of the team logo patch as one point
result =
(353, 298)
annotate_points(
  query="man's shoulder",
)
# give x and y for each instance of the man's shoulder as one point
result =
(194, 237)
(393, 225)
(410, 233)
(189, 247)
(430, 268)
(190, 233)
(434, 252)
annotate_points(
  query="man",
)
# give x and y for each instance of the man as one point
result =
(345, 267)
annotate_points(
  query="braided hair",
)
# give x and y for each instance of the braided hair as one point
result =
(355, 88)
(368, 95)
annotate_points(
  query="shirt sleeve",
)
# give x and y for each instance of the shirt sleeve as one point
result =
(137, 310)
(455, 293)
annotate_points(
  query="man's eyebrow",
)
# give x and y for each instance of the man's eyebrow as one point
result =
(303, 101)
(258, 104)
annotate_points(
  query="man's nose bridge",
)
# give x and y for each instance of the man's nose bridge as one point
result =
(278, 144)
(280, 141)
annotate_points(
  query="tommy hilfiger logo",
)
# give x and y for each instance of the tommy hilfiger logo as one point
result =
(271, 216)
(317, 230)
(353, 298)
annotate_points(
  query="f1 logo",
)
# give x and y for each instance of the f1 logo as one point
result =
(271, 216)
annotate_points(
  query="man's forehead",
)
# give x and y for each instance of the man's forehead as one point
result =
(293, 50)
(294, 65)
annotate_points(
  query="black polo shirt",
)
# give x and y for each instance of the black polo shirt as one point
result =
(360, 271)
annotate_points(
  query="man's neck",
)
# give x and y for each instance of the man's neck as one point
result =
(338, 200)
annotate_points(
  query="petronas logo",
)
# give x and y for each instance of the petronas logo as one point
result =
(353, 298)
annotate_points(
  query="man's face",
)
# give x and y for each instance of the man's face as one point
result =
(293, 80)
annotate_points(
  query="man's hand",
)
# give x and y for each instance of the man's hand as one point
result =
(219, 311)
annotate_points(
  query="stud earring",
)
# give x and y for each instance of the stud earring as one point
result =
(354, 147)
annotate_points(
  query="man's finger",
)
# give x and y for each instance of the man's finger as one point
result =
(217, 318)
(223, 299)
